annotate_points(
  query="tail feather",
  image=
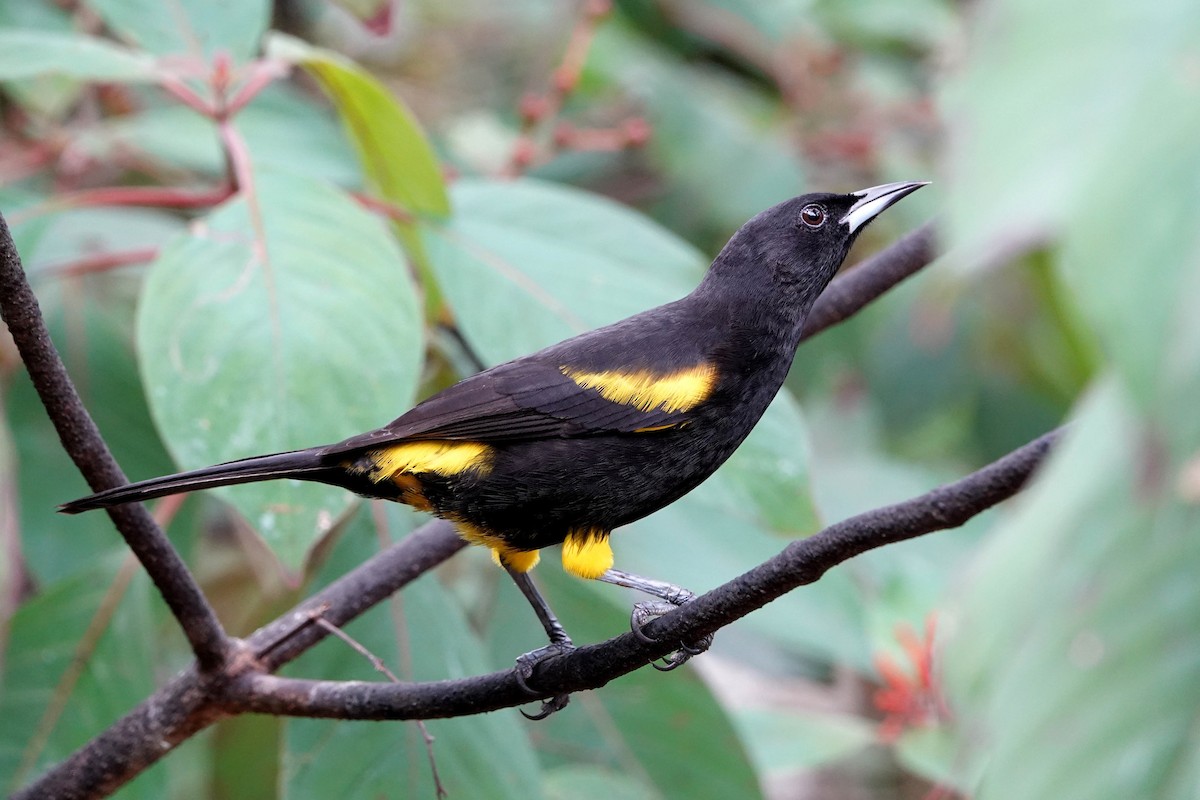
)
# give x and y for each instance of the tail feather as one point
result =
(295, 464)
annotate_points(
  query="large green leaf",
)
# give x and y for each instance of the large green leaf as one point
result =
(1138, 282)
(1079, 627)
(286, 320)
(1079, 623)
(556, 260)
(24, 54)
(46, 94)
(1031, 129)
(421, 635)
(193, 27)
(398, 161)
(788, 740)
(50, 702)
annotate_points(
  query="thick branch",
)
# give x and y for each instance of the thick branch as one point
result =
(82, 441)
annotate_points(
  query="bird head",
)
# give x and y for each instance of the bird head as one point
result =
(791, 251)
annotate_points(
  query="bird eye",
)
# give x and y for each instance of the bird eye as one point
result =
(812, 215)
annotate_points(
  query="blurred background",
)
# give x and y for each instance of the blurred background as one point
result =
(258, 226)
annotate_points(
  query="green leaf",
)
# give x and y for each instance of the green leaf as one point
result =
(1032, 131)
(286, 320)
(194, 27)
(420, 635)
(588, 782)
(24, 54)
(398, 161)
(48, 95)
(50, 702)
(1138, 285)
(784, 741)
(1079, 625)
(559, 260)
(935, 754)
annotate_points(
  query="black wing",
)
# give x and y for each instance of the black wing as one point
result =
(520, 400)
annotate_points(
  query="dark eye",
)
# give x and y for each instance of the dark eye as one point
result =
(812, 215)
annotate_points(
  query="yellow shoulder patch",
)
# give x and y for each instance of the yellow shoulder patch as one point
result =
(441, 457)
(587, 554)
(675, 391)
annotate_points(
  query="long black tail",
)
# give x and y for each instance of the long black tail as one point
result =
(303, 464)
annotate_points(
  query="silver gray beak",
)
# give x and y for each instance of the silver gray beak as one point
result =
(873, 201)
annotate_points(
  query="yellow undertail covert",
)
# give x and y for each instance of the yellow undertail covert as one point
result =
(587, 554)
(675, 391)
(502, 554)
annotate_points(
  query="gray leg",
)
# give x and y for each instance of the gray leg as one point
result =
(560, 643)
(672, 597)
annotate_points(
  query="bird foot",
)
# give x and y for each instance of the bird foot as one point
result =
(643, 613)
(524, 671)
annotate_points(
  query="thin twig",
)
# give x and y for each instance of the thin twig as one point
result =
(381, 667)
(100, 262)
(154, 196)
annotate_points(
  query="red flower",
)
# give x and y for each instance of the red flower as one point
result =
(909, 700)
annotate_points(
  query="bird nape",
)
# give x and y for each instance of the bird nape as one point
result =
(564, 445)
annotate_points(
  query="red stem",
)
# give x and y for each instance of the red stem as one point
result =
(102, 262)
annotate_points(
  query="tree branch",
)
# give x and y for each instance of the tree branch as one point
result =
(802, 562)
(82, 441)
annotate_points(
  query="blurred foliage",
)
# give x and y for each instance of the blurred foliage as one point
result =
(343, 203)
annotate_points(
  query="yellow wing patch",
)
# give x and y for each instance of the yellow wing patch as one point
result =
(587, 554)
(439, 457)
(675, 391)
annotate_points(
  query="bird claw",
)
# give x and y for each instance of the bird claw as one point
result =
(523, 671)
(643, 613)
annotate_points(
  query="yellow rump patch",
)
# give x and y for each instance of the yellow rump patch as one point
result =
(675, 391)
(587, 554)
(502, 554)
(440, 457)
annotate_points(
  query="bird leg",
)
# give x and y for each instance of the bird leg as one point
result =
(560, 643)
(671, 597)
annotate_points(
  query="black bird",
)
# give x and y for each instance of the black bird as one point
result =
(570, 442)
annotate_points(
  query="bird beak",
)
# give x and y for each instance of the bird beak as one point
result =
(873, 201)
